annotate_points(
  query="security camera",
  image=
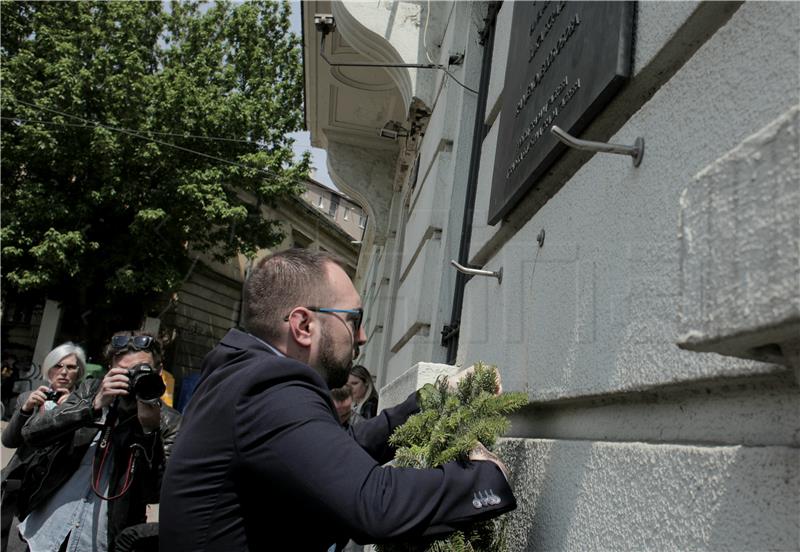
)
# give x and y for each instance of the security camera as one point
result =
(392, 130)
(324, 23)
(388, 133)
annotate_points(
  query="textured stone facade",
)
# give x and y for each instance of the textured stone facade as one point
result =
(629, 441)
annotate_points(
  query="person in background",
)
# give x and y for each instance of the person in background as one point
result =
(365, 398)
(343, 401)
(64, 366)
(101, 453)
(10, 375)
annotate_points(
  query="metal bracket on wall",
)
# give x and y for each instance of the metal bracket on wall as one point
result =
(478, 272)
(636, 150)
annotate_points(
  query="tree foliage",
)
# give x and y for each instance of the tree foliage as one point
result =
(137, 134)
(449, 425)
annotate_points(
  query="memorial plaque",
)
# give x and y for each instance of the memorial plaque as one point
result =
(566, 60)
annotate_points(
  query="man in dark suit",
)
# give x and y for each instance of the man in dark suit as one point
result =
(262, 462)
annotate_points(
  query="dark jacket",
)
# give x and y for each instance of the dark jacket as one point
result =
(262, 463)
(370, 407)
(14, 470)
(59, 439)
(12, 433)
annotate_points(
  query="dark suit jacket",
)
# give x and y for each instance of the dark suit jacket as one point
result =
(262, 463)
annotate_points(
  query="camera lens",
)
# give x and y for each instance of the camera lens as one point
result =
(148, 386)
(145, 383)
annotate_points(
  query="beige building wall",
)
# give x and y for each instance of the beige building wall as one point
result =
(346, 214)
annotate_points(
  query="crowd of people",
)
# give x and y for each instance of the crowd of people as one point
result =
(90, 453)
(281, 447)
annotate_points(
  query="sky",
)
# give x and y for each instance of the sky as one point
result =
(302, 139)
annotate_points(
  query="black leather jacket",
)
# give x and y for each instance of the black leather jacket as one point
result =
(60, 438)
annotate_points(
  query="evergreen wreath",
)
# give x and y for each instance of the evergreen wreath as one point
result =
(449, 425)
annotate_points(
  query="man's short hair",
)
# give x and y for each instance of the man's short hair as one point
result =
(154, 347)
(279, 283)
(341, 394)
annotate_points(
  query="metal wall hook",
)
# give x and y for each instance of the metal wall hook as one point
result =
(478, 272)
(636, 150)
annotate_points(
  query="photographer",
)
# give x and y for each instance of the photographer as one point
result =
(64, 366)
(102, 453)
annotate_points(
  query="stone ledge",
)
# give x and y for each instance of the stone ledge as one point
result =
(740, 260)
(583, 495)
(412, 379)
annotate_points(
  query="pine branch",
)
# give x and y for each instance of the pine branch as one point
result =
(449, 425)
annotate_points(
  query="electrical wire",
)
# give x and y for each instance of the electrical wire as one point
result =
(141, 137)
(193, 136)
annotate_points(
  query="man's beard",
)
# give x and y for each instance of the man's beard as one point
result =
(335, 371)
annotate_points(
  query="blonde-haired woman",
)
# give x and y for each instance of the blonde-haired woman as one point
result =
(365, 398)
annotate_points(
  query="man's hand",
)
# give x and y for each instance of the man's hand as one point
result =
(480, 452)
(452, 382)
(35, 399)
(149, 414)
(115, 384)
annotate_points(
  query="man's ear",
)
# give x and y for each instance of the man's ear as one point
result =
(300, 326)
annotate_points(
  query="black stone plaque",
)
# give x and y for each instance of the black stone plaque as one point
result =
(566, 60)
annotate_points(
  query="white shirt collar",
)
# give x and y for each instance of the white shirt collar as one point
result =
(270, 347)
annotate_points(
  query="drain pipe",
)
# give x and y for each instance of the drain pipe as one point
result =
(450, 331)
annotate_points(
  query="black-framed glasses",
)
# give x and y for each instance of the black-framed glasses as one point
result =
(355, 315)
(139, 342)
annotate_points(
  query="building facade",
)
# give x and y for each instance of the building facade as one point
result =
(648, 305)
(346, 214)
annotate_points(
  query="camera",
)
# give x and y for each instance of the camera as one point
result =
(52, 395)
(145, 382)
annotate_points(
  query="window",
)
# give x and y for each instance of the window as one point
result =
(347, 213)
(362, 220)
(321, 202)
(333, 206)
(301, 240)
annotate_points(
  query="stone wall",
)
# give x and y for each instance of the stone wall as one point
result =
(629, 442)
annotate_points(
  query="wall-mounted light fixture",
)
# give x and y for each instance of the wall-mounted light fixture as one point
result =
(392, 130)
